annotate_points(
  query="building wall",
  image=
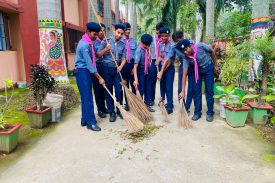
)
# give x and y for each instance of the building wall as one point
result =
(71, 8)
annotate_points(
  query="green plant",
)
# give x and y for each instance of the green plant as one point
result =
(8, 84)
(264, 47)
(235, 64)
(230, 90)
(41, 84)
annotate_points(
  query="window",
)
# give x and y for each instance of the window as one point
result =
(74, 37)
(4, 32)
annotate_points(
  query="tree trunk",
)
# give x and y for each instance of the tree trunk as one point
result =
(108, 17)
(117, 14)
(260, 9)
(126, 11)
(134, 19)
(210, 13)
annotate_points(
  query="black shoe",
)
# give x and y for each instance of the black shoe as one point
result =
(196, 117)
(150, 109)
(94, 127)
(169, 111)
(209, 118)
(105, 111)
(112, 117)
(151, 103)
(83, 123)
(101, 114)
(167, 106)
(119, 114)
(127, 108)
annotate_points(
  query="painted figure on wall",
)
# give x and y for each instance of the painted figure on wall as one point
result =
(52, 52)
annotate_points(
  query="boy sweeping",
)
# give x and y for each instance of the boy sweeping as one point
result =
(141, 68)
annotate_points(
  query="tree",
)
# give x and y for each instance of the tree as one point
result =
(117, 13)
(108, 17)
(210, 12)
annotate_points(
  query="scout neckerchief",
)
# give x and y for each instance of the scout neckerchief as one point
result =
(194, 57)
(98, 39)
(146, 62)
(128, 50)
(163, 51)
(86, 38)
(158, 41)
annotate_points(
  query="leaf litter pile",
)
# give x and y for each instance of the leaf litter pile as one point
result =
(147, 132)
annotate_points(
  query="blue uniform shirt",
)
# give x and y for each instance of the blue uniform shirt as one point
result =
(133, 47)
(83, 57)
(140, 57)
(118, 49)
(153, 48)
(165, 51)
(203, 55)
(96, 47)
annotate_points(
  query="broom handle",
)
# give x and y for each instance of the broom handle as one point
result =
(113, 57)
(104, 86)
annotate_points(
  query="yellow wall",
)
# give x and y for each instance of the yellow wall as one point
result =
(71, 8)
(13, 1)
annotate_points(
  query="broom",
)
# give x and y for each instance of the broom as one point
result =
(133, 123)
(138, 108)
(125, 88)
(183, 120)
(162, 107)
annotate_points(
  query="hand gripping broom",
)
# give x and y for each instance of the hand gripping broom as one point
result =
(183, 120)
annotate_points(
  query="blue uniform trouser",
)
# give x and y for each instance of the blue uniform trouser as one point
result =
(112, 79)
(189, 96)
(166, 86)
(128, 77)
(84, 83)
(99, 90)
(207, 74)
(144, 84)
(180, 72)
(153, 80)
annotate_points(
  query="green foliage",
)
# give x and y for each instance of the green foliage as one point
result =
(235, 64)
(187, 17)
(41, 83)
(233, 24)
(230, 90)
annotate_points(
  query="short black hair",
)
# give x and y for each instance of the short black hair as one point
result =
(103, 25)
(128, 25)
(159, 26)
(177, 35)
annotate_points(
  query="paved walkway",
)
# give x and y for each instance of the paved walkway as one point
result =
(211, 152)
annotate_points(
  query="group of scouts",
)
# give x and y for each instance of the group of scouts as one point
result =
(100, 61)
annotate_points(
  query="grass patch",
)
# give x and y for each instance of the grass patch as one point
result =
(269, 158)
(73, 83)
(146, 133)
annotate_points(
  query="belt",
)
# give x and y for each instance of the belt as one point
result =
(205, 65)
(110, 64)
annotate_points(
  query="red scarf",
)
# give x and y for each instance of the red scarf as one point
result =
(98, 39)
(157, 43)
(146, 63)
(86, 38)
(128, 50)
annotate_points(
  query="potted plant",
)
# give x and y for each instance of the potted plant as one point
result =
(265, 48)
(9, 133)
(41, 84)
(235, 110)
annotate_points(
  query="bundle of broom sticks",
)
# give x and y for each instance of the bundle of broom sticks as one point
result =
(133, 123)
(183, 120)
(135, 104)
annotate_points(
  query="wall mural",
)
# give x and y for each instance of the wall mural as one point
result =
(259, 28)
(52, 48)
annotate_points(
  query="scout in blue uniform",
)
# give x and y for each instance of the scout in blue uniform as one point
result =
(153, 68)
(202, 65)
(110, 71)
(85, 64)
(167, 69)
(141, 68)
(127, 72)
(98, 88)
